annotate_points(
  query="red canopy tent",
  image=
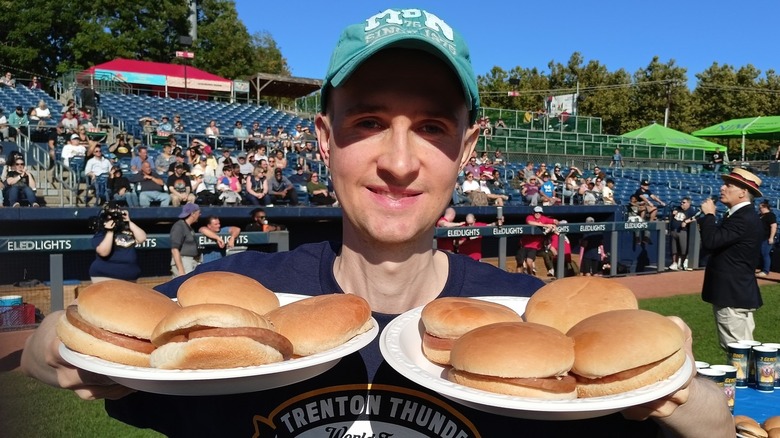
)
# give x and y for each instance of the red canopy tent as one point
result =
(170, 78)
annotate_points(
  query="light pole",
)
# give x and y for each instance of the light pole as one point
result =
(186, 42)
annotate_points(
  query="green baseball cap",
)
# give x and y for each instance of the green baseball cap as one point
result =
(402, 28)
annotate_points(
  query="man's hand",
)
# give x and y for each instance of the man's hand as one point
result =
(708, 206)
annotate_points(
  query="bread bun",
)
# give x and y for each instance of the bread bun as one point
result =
(621, 350)
(515, 358)
(744, 419)
(774, 433)
(322, 322)
(567, 301)
(114, 320)
(750, 430)
(207, 336)
(772, 422)
(447, 319)
(220, 287)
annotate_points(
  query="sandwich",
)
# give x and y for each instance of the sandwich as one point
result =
(211, 336)
(114, 320)
(565, 302)
(447, 319)
(319, 323)
(515, 358)
(219, 287)
(622, 350)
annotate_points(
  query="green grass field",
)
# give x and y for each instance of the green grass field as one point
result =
(31, 409)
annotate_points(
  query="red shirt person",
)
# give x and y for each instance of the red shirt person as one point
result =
(533, 243)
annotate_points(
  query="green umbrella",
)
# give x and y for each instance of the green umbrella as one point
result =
(767, 128)
(663, 136)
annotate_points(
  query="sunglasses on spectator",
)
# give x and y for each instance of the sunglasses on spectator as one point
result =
(19, 163)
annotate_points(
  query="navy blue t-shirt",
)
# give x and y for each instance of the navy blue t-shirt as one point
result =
(121, 263)
(362, 390)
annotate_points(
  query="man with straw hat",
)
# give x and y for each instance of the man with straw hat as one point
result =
(734, 244)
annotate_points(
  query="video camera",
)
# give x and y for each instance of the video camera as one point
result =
(110, 212)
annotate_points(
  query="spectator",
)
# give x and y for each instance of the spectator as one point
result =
(8, 80)
(500, 129)
(73, 159)
(115, 241)
(486, 167)
(212, 134)
(318, 192)
(483, 158)
(496, 182)
(592, 254)
(180, 186)
(448, 220)
(282, 190)
(18, 123)
(769, 228)
(229, 185)
(472, 246)
(178, 125)
(4, 131)
(35, 84)
(498, 157)
(42, 111)
(149, 127)
(496, 199)
(165, 159)
(617, 160)
(300, 177)
(269, 138)
(517, 181)
(531, 244)
(470, 188)
(541, 171)
(256, 135)
(587, 192)
(120, 189)
(142, 157)
(165, 128)
(120, 148)
(530, 191)
(647, 201)
(557, 176)
(471, 168)
(70, 106)
(224, 159)
(608, 192)
(245, 168)
(547, 191)
(97, 170)
(281, 160)
(260, 222)
(70, 123)
(214, 231)
(150, 185)
(241, 135)
(20, 184)
(284, 139)
(90, 99)
(717, 162)
(185, 255)
(528, 171)
(681, 217)
(256, 187)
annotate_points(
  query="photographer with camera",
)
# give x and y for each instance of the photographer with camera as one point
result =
(20, 183)
(115, 240)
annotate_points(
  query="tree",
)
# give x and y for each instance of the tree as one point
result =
(656, 88)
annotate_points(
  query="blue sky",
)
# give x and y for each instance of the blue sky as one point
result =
(619, 34)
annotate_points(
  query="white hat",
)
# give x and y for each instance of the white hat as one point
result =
(538, 209)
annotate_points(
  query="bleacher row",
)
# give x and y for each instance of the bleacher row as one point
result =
(195, 114)
(126, 110)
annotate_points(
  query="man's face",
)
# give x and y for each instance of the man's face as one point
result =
(214, 225)
(146, 167)
(732, 194)
(395, 140)
(142, 153)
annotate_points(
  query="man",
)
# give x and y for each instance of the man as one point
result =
(533, 244)
(151, 186)
(547, 191)
(608, 192)
(142, 157)
(245, 168)
(165, 128)
(448, 220)
(472, 246)
(282, 189)
(647, 201)
(528, 171)
(769, 229)
(214, 231)
(717, 161)
(734, 244)
(180, 186)
(300, 177)
(185, 254)
(678, 231)
(394, 140)
(97, 170)
(260, 222)
(165, 160)
(18, 123)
